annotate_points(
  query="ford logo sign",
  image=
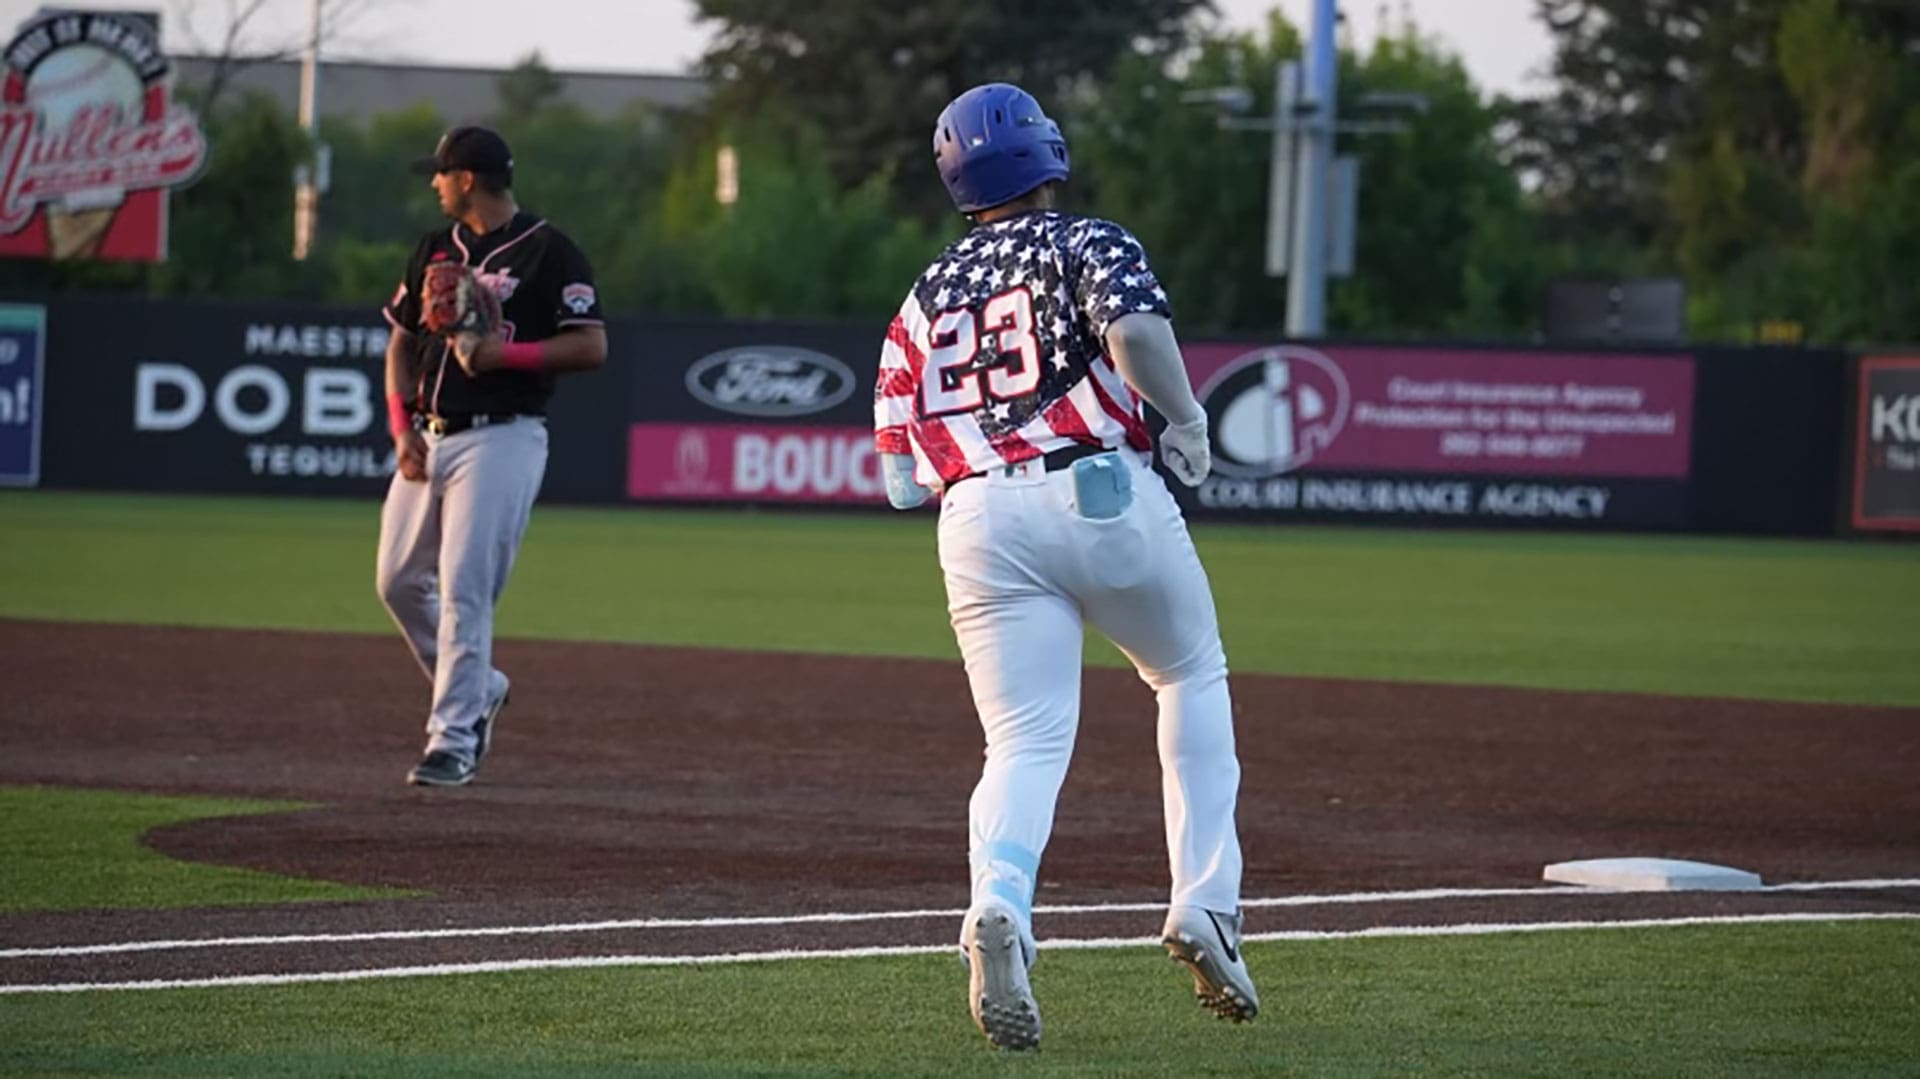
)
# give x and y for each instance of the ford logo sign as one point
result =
(770, 380)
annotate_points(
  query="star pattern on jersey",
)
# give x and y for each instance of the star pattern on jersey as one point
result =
(1051, 255)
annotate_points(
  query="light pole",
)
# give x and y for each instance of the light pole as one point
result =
(1311, 194)
(1313, 150)
(306, 178)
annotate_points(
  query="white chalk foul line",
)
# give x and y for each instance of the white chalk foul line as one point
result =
(1064, 944)
(1334, 899)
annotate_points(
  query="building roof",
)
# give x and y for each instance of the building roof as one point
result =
(354, 89)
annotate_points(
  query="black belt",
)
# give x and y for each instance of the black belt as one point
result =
(1052, 462)
(462, 421)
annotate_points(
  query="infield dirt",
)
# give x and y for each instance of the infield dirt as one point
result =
(633, 782)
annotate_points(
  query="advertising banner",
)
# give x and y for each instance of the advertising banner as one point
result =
(1886, 452)
(710, 462)
(748, 412)
(90, 139)
(284, 398)
(219, 398)
(23, 339)
(1441, 434)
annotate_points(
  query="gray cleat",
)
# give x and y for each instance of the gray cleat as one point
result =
(998, 992)
(1207, 943)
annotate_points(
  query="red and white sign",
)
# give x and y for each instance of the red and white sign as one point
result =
(89, 140)
(708, 462)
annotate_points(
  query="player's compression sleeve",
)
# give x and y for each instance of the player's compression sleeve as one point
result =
(1144, 351)
(903, 491)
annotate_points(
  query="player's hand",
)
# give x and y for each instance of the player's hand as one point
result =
(1183, 446)
(410, 455)
(477, 352)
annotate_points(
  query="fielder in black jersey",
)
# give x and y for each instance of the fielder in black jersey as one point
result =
(468, 418)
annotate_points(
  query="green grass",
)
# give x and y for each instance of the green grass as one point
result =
(1827, 621)
(81, 849)
(1816, 621)
(1725, 1000)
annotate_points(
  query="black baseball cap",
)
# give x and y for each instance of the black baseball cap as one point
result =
(475, 149)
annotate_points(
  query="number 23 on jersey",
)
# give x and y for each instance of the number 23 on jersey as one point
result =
(974, 359)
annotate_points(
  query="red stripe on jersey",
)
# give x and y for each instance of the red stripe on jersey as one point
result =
(946, 455)
(1129, 419)
(1011, 447)
(892, 440)
(1067, 422)
(916, 359)
(896, 382)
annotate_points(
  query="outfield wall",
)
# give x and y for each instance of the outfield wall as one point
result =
(182, 396)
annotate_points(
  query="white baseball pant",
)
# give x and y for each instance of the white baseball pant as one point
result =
(1023, 569)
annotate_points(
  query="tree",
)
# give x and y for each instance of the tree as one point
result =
(526, 87)
(795, 244)
(1444, 243)
(601, 180)
(1833, 243)
(1443, 237)
(1730, 143)
(1688, 93)
(871, 75)
(1194, 193)
(373, 196)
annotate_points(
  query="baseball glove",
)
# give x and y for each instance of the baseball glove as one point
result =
(453, 301)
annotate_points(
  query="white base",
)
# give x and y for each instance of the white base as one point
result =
(1652, 875)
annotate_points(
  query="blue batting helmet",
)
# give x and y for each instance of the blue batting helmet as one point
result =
(993, 144)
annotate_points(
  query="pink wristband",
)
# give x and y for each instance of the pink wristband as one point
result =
(523, 356)
(398, 418)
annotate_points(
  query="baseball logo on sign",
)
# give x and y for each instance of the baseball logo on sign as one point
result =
(89, 141)
(1274, 409)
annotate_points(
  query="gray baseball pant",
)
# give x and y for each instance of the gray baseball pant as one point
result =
(447, 545)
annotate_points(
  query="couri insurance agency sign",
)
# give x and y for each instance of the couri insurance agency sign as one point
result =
(1426, 434)
(89, 138)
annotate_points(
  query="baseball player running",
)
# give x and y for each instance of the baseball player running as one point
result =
(492, 307)
(1011, 381)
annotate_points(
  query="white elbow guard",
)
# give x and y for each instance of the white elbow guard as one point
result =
(903, 491)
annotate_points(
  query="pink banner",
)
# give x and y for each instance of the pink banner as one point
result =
(706, 462)
(1292, 408)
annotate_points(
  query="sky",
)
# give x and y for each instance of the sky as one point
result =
(1500, 40)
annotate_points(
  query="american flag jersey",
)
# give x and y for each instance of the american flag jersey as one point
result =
(997, 355)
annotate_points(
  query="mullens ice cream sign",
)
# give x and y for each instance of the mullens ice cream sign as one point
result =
(89, 140)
